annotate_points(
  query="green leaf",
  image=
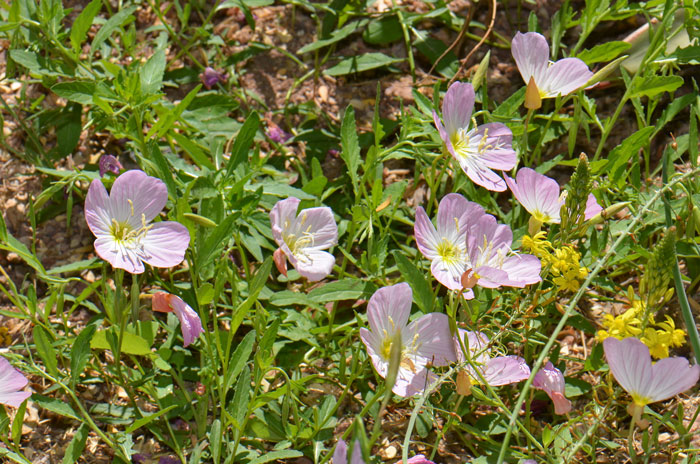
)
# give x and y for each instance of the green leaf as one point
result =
(77, 445)
(193, 150)
(239, 359)
(383, 31)
(17, 422)
(74, 267)
(254, 290)
(422, 293)
(78, 91)
(81, 25)
(244, 140)
(651, 86)
(622, 153)
(80, 353)
(603, 52)
(275, 455)
(165, 172)
(163, 125)
(148, 419)
(68, 129)
(131, 343)
(241, 399)
(57, 406)
(350, 144)
(433, 49)
(336, 36)
(346, 289)
(361, 63)
(151, 74)
(216, 241)
(107, 28)
(45, 349)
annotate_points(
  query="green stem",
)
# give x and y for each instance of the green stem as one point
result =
(572, 304)
(688, 318)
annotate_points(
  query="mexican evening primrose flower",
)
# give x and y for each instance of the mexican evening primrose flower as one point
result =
(479, 150)
(425, 340)
(446, 247)
(550, 380)
(540, 196)
(190, 323)
(301, 238)
(121, 221)
(630, 364)
(11, 382)
(531, 53)
(496, 371)
(491, 260)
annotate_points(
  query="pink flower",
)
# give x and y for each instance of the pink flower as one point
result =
(301, 238)
(210, 77)
(490, 258)
(425, 340)
(480, 149)
(418, 459)
(109, 163)
(340, 456)
(496, 371)
(121, 221)
(531, 53)
(630, 364)
(446, 247)
(540, 196)
(11, 381)
(190, 323)
(550, 380)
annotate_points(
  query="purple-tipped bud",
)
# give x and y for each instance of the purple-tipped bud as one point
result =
(109, 163)
(276, 134)
(210, 77)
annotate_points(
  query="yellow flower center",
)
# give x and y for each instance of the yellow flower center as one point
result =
(449, 252)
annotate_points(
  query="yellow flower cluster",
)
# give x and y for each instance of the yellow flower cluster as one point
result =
(629, 324)
(564, 263)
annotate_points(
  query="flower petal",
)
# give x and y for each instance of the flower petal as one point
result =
(340, 456)
(531, 53)
(537, 193)
(669, 377)
(190, 323)
(389, 307)
(522, 270)
(409, 383)
(12, 380)
(457, 106)
(165, 244)
(449, 275)
(118, 255)
(592, 207)
(505, 370)
(430, 338)
(320, 224)
(497, 142)
(426, 236)
(563, 77)
(282, 216)
(316, 264)
(134, 194)
(97, 209)
(630, 364)
(456, 214)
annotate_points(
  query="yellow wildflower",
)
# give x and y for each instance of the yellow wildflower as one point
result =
(658, 342)
(621, 326)
(676, 336)
(537, 244)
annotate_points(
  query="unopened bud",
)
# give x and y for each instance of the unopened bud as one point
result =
(608, 212)
(464, 384)
(469, 279)
(533, 100)
(201, 220)
(280, 260)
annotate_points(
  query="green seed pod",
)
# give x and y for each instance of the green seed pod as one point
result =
(201, 220)
(608, 212)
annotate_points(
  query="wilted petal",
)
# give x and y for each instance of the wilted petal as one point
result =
(457, 106)
(190, 323)
(531, 53)
(563, 77)
(550, 380)
(109, 163)
(12, 380)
